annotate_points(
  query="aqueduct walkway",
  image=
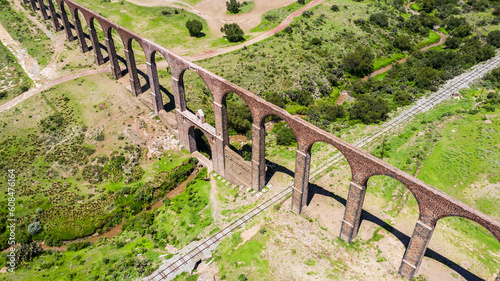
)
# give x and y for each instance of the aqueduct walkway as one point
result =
(433, 204)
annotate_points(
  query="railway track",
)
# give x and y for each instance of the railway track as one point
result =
(450, 87)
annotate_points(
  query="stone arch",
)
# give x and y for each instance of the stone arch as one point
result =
(97, 46)
(236, 95)
(158, 70)
(83, 38)
(118, 61)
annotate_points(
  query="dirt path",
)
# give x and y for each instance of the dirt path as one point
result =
(409, 10)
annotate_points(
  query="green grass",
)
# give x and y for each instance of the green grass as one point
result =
(244, 8)
(23, 30)
(383, 61)
(433, 38)
(151, 22)
(415, 7)
(272, 18)
(186, 217)
(234, 259)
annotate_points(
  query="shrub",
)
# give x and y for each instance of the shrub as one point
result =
(233, 32)
(301, 2)
(284, 135)
(453, 42)
(27, 252)
(76, 246)
(334, 8)
(494, 38)
(35, 228)
(194, 27)
(379, 19)
(403, 42)
(369, 109)
(53, 241)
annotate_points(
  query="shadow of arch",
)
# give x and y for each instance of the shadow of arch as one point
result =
(197, 95)
(337, 175)
(399, 235)
(484, 244)
(201, 141)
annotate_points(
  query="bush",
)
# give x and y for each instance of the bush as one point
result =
(379, 19)
(301, 2)
(76, 246)
(494, 38)
(334, 8)
(403, 42)
(35, 228)
(27, 252)
(53, 241)
(233, 32)
(194, 27)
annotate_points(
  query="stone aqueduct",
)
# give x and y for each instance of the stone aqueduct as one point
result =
(433, 204)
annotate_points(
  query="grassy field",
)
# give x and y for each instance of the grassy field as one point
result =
(272, 18)
(125, 257)
(151, 22)
(21, 29)
(13, 79)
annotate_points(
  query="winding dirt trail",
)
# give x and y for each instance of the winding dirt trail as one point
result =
(442, 39)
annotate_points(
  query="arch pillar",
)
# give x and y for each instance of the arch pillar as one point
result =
(221, 138)
(95, 43)
(25, 2)
(135, 84)
(301, 181)
(113, 57)
(352, 215)
(33, 5)
(416, 249)
(258, 156)
(179, 95)
(43, 9)
(53, 16)
(66, 25)
(79, 32)
(156, 97)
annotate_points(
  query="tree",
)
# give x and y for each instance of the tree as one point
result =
(402, 98)
(233, 6)
(301, 2)
(369, 109)
(398, 3)
(284, 135)
(453, 42)
(379, 19)
(34, 228)
(194, 27)
(359, 62)
(494, 38)
(274, 98)
(428, 5)
(335, 8)
(233, 32)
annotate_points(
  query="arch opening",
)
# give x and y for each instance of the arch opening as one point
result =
(165, 81)
(139, 58)
(119, 50)
(67, 19)
(101, 38)
(280, 151)
(200, 142)
(198, 95)
(239, 125)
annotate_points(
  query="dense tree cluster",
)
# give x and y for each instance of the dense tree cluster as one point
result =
(284, 135)
(369, 109)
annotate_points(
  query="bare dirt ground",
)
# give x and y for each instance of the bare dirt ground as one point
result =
(214, 11)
